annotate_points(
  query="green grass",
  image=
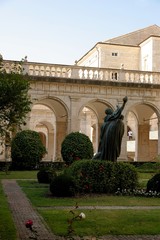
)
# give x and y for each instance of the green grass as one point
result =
(7, 227)
(105, 222)
(43, 198)
(19, 175)
(96, 223)
(143, 178)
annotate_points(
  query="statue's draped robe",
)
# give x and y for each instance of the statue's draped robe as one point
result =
(112, 132)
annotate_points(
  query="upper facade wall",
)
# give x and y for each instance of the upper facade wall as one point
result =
(150, 55)
(156, 54)
(139, 50)
(113, 56)
(92, 59)
(146, 59)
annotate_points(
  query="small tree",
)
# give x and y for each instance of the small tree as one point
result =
(14, 99)
(27, 150)
(76, 146)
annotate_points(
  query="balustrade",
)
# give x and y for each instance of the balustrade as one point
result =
(89, 73)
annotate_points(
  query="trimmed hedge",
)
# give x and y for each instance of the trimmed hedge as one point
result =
(154, 183)
(46, 175)
(27, 150)
(62, 186)
(97, 176)
(76, 146)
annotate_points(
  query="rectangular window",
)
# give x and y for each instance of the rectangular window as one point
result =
(115, 76)
(114, 54)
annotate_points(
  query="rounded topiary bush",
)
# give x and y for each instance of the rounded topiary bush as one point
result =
(153, 184)
(46, 175)
(76, 146)
(62, 186)
(27, 150)
(97, 176)
(126, 176)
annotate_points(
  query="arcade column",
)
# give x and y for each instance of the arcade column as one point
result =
(61, 129)
(74, 125)
(143, 148)
(158, 137)
(123, 154)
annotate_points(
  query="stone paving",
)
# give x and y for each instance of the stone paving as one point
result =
(22, 210)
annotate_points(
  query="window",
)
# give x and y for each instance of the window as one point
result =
(114, 54)
(114, 76)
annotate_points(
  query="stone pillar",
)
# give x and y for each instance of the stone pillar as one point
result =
(61, 131)
(28, 119)
(158, 137)
(98, 133)
(123, 154)
(74, 110)
(51, 147)
(143, 153)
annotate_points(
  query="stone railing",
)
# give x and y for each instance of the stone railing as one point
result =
(89, 73)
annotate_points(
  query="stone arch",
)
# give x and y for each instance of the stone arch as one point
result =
(50, 116)
(43, 138)
(57, 105)
(91, 116)
(145, 148)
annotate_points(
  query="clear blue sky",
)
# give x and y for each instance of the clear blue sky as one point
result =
(62, 31)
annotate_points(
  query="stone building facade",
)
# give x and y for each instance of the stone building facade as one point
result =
(69, 98)
(139, 50)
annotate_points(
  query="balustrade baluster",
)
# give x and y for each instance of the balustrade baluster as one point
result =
(81, 72)
(47, 71)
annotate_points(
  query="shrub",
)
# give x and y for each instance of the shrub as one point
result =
(27, 150)
(46, 175)
(56, 166)
(154, 183)
(62, 186)
(126, 176)
(76, 146)
(148, 167)
(97, 176)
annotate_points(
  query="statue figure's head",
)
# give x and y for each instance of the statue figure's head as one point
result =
(108, 111)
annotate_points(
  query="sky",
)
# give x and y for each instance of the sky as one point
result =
(62, 31)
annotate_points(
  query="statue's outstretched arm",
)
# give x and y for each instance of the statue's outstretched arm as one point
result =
(125, 99)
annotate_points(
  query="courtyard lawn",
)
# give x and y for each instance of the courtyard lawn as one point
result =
(97, 222)
(7, 227)
(143, 178)
(18, 175)
(40, 196)
(104, 222)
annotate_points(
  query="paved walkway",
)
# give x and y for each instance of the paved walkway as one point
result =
(22, 210)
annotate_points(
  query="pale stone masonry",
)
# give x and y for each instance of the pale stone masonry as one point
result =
(69, 98)
(139, 50)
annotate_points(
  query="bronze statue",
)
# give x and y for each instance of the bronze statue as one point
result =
(111, 135)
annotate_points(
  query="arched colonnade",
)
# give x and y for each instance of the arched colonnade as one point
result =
(55, 117)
